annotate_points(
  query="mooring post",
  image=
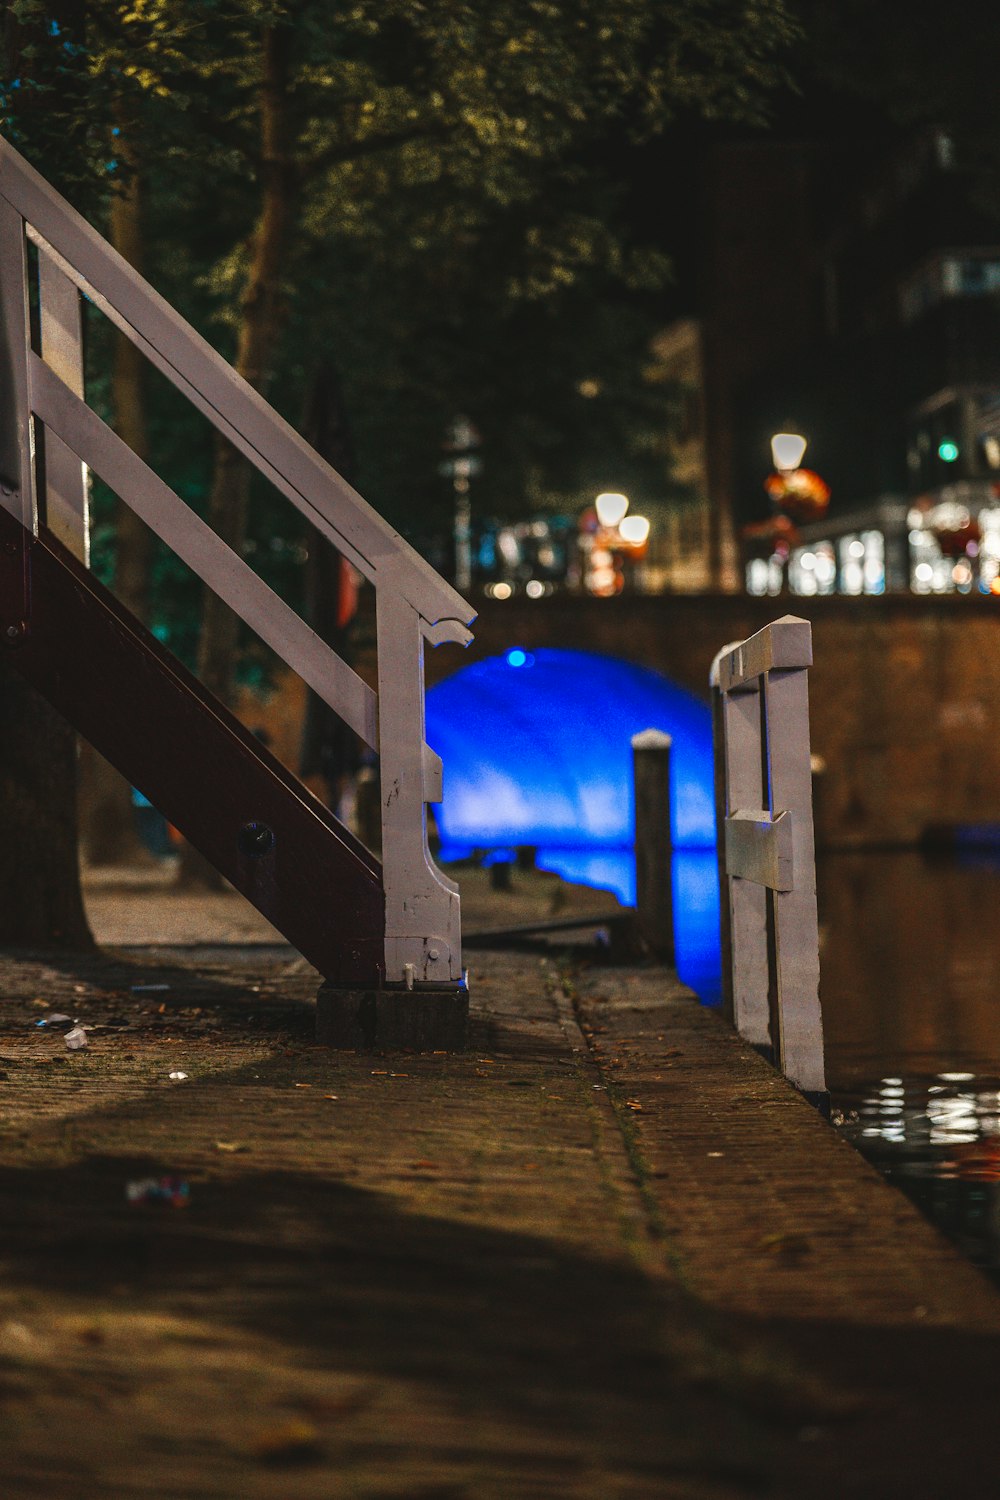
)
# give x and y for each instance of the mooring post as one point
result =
(653, 842)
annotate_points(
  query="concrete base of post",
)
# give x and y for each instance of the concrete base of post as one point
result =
(392, 1020)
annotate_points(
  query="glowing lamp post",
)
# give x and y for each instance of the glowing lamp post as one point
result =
(634, 530)
(797, 495)
(611, 508)
(787, 450)
(607, 533)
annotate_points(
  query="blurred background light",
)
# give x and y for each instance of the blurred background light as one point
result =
(610, 507)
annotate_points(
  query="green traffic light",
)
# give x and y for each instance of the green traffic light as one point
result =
(948, 451)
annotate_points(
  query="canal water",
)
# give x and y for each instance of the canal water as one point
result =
(910, 990)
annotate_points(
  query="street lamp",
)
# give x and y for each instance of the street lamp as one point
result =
(787, 449)
(610, 507)
(634, 530)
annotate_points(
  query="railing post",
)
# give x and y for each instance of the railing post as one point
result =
(767, 846)
(799, 1044)
(742, 745)
(653, 842)
(721, 807)
(17, 479)
(422, 921)
(67, 502)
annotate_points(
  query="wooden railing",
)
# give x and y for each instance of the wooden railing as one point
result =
(44, 388)
(770, 953)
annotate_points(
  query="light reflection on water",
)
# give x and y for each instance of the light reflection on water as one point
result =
(910, 988)
(939, 1140)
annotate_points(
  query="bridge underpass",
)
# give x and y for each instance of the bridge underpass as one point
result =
(905, 691)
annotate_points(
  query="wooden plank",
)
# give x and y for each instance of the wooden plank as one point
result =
(796, 935)
(229, 402)
(422, 917)
(780, 646)
(203, 551)
(17, 467)
(741, 715)
(759, 848)
(67, 497)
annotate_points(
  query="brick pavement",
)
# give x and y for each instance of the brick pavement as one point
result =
(606, 1252)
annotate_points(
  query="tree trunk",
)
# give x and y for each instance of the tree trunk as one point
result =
(41, 905)
(110, 836)
(262, 311)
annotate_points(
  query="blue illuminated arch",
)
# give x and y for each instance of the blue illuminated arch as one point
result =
(537, 750)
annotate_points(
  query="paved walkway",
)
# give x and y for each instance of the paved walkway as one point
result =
(605, 1253)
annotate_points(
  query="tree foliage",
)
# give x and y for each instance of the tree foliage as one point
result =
(427, 196)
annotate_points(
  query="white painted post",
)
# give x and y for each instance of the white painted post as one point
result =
(796, 923)
(769, 849)
(422, 920)
(720, 779)
(17, 468)
(67, 499)
(742, 734)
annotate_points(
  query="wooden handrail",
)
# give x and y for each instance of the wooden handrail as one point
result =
(229, 402)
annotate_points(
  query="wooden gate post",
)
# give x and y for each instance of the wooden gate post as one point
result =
(768, 848)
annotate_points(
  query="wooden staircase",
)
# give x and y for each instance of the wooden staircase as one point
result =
(389, 926)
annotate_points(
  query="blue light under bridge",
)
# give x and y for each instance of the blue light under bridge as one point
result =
(537, 750)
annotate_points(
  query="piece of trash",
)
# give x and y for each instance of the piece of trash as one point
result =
(231, 1146)
(76, 1039)
(177, 1075)
(331, 1096)
(54, 1020)
(716, 1153)
(171, 1190)
(302, 1085)
(90, 1334)
(17, 1335)
(633, 1104)
(146, 989)
(791, 1243)
(293, 1442)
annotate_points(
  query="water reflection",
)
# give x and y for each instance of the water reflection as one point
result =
(910, 965)
(939, 1140)
(911, 1018)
